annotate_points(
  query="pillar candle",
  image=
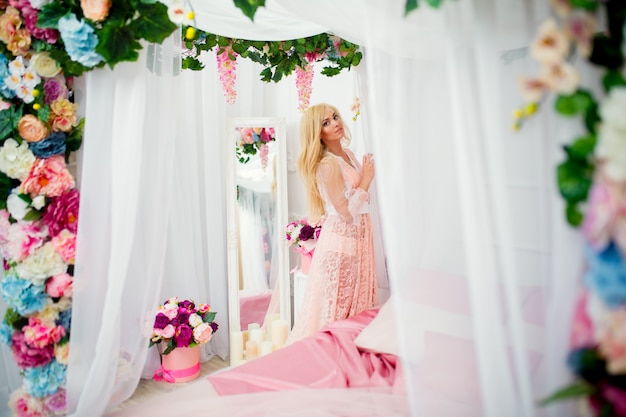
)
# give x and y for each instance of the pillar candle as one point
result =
(252, 350)
(257, 335)
(253, 326)
(268, 323)
(280, 331)
(245, 337)
(236, 348)
(267, 347)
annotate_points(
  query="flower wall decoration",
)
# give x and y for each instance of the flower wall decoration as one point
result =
(592, 181)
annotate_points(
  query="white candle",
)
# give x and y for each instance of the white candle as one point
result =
(267, 347)
(252, 350)
(280, 331)
(258, 336)
(236, 348)
(253, 326)
(268, 324)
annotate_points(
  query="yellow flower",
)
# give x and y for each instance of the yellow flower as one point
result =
(531, 109)
(518, 113)
(191, 15)
(36, 106)
(190, 32)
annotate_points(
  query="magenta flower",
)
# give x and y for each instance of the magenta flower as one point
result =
(27, 356)
(62, 213)
(183, 335)
(160, 321)
(30, 21)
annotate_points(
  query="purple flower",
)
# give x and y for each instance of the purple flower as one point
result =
(183, 335)
(214, 326)
(188, 304)
(55, 88)
(62, 213)
(56, 403)
(160, 321)
(183, 316)
(306, 233)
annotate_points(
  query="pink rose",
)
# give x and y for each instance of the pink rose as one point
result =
(38, 335)
(96, 10)
(49, 177)
(166, 333)
(202, 333)
(59, 285)
(65, 245)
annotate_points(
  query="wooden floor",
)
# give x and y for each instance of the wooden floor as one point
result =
(149, 388)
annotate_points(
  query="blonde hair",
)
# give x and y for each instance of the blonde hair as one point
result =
(312, 151)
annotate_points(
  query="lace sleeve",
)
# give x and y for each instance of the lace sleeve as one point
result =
(344, 199)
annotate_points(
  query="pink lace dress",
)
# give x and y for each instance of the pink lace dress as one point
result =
(342, 278)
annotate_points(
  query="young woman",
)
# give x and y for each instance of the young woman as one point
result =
(342, 278)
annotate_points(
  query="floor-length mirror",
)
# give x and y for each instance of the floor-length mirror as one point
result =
(258, 259)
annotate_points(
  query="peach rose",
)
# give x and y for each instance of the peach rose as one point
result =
(96, 10)
(31, 129)
(10, 21)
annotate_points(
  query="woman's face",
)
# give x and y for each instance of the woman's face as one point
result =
(332, 126)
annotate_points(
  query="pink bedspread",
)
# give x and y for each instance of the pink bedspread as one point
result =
(328, 359)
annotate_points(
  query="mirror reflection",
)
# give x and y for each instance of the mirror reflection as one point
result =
(258, 273)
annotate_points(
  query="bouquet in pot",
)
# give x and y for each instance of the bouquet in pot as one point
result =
(302, 235)
(182, 324)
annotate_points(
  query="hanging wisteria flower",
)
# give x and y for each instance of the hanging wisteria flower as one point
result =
(32, 129)
(16, 159)
(42, 263)
(80, 40)
(227, 69)
(22, 295)
(49, 177)
(551, 44)
(304, 85)
(42, 381)
(45, 65)
(62, 213)
(54, 144)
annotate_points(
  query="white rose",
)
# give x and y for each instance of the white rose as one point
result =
(611, 149)
(195, 320)
(17, 207)
(16, 160)
(613, 109)
(41, 264)
(39, 202)
(44, 65)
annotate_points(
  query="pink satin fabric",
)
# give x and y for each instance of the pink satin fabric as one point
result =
(328, 359)
(253, 308)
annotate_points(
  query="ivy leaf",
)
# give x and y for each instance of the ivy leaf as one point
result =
(575, 390)
(409, 6)
(574, 179)
(576, 103)
(70, 68)
(573, 215)
(266, 75)
(152, 24)
(9, 119)
(592, 118)
(434, 3)
(49, 15)
(589, 5)
(192, 63)
(249, 7)
(612, 78)
(117, 44)
(582, 147)
(331, 71)
(14, 319)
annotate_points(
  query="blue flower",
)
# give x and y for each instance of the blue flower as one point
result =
(6, 332)
(64, 319)
(41, 381)
(80, 40)
(24, 296)
(54, 144)
(4, 73)
(606, 275)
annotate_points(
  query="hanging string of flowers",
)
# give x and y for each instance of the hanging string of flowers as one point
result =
(227, 68)
(592, 181)
(278, 58)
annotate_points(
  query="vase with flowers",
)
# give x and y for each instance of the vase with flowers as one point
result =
(303, 236)
(181, 327)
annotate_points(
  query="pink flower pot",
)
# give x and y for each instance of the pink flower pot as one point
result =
(180, 365)
(305, 262)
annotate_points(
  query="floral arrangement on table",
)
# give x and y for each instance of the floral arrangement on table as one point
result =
(253, 140)
(180, 324)
(592, 181)
(302, 235)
